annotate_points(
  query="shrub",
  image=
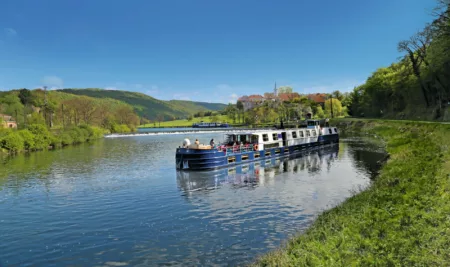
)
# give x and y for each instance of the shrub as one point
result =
(66, 139)
(123, 128)
(13, 142)
(55, 141)
(78, 135)
(87, 129)
(28, 139)
(97, 133)
(42, 137)
(5, 131)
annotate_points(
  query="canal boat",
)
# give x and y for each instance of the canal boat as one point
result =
(210, 125)
(244, 147)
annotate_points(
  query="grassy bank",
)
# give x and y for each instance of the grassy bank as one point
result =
(38, 137)
(402, 219)
(187, 123)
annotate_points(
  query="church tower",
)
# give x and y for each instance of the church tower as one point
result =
(275, 90)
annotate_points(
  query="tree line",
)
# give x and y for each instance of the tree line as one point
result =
(55, 119)
(294, 109)
(418, 85)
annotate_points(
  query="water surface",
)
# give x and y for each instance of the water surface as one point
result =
(120, 201)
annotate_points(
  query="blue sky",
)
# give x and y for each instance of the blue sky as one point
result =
(202, 50)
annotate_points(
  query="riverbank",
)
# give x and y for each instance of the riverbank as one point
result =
(402, 219)
(38, 137)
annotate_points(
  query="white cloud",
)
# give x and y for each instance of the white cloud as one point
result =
(233, 98)
(343, 86)
(53, 82)
(111, 88)
(10, 32)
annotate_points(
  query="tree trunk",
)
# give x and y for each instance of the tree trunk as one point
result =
(416, 71)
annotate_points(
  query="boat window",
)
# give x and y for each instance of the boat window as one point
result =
(275, 136)
(313, 132)
(335, 130)
(294, 134)
(301, 134)
(307, 133)
(255, 138)
(329, 130)
(265, 137)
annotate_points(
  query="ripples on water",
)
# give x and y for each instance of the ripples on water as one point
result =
(120, 202)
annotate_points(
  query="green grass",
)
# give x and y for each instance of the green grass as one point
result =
(402, 219)
(186, 123)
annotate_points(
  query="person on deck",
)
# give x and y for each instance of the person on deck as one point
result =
(197, 142)
(211, 143)
(327, 122)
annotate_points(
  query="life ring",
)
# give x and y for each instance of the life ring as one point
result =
(255, 146)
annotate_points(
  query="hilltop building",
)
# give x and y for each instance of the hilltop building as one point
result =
(318, 98)
(252, 101)
(7, 121)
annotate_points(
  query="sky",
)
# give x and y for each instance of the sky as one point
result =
(202, 50)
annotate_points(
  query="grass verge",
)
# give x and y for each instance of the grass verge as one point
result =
(187, 123)
(402, 219)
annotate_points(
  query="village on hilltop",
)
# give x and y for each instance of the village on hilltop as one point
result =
(252, 101)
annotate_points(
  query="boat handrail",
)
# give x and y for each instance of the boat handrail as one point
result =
(236, 149)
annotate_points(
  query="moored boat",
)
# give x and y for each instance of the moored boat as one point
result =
(250, 146)
(210, 125)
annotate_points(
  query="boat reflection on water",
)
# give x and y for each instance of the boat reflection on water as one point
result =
(258, 172)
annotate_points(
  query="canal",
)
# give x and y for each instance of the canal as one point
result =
(120, 202)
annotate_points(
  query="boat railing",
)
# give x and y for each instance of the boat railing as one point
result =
(236, 149)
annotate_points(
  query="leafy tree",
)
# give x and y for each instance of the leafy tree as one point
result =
(285, 90)
(336, 105)
(320, 113)
(240, 107)
(25, 97)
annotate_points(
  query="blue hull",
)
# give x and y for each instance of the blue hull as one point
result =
(208, 159)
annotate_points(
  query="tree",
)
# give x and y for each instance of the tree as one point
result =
(285, 90)
(319, 112)
(337, 107)
(25, 97)
(159, 119)
(419, 42)
(126, 115)
(214, 118)
(231, 112)
(240, 107)
(338, 95)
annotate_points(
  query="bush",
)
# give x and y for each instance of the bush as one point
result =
(5, 131)
(87, 129)
(13, 142)
(55, 141)
(78, 135)
(42, 137)
(122, 128)
(66, 139)
(97, 133)
(28, 139)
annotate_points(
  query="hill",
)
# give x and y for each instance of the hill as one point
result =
(149, 107)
